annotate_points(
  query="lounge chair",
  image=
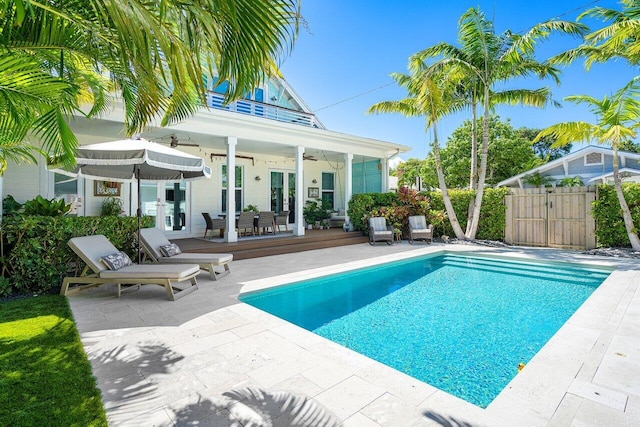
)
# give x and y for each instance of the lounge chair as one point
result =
(213, 224)
(96, 250)
(282, 219)
(379, 231)
(245, 222)
(155, 245)
(419, 230)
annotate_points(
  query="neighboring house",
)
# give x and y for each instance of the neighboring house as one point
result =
(279, 153)
(593, 164)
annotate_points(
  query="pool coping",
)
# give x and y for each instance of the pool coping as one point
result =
(578, 375)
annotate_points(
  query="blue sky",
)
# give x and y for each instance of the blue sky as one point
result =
(350, 48)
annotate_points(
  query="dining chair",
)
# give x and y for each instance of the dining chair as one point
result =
(245, 222)
(282, 219)
(265, 220)
(213, 224)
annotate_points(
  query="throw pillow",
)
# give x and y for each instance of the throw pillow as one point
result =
(116, 261)
(170, 250)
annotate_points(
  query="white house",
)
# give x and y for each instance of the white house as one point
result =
(593, 164)
(278, 152)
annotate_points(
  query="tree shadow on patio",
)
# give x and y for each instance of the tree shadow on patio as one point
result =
(447, 421)
(257, 407)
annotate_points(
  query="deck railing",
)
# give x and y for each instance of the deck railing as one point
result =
(260, 109)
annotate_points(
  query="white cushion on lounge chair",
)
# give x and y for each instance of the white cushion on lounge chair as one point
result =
(168, 271)
(153, 238)
(92, 248)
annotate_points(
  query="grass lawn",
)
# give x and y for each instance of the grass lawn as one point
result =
(45, 377)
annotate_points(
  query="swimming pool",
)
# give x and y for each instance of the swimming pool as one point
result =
(457, 322)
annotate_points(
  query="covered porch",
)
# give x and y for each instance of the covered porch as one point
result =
(273, 166)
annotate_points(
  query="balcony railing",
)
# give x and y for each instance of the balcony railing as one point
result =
(260, 109)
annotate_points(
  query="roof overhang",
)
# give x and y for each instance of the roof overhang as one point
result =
(624, 173)
(210, 129)
(563, 161)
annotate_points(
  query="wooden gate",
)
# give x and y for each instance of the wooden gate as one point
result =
(553, 217)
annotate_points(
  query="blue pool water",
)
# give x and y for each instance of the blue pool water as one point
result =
(459, 323)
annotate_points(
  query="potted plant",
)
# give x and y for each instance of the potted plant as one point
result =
(251, 208)
(309, 212)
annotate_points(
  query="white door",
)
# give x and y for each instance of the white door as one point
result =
(283, 192)
(167, 202)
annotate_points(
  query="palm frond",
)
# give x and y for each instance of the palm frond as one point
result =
(568, 132)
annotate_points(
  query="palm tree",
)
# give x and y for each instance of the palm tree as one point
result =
(618, 118)
(426, 98)
(487, 60)
(538, 180)
(155, 55)
(619, 39)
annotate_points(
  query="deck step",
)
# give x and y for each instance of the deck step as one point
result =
(277, 245)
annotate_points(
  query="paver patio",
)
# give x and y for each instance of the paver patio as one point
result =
(209, 360)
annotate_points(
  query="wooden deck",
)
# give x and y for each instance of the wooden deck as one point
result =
(281, 243)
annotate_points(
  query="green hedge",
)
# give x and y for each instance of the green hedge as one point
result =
(492, 217)
(362, 204)
(610, 230)
(36, 256)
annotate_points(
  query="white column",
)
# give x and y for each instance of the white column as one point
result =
(298, 229)
(385, 175)
(348, 182)
(230, 234)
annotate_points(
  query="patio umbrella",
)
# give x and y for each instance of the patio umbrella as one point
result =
(136, 160)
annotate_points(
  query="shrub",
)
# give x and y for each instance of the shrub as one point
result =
(395, 207)
(610, 229)
(492, 216)
(39, 206)
(111, 206)
(36, 256)
(10, 206)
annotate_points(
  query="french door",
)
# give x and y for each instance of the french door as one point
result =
(283, 193)
(167, 202)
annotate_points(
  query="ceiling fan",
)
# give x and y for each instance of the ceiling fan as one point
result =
(309, 157)
(174, 143)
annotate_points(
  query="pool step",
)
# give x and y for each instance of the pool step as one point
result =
(553, 272)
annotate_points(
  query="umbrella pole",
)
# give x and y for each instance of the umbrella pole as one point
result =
(139, 213)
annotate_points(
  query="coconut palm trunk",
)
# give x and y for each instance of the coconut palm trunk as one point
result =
(626, 212)
(451, 213)
(482, 173)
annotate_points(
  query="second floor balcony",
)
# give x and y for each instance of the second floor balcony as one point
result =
(261, 109)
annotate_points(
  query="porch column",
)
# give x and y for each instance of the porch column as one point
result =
(230, 234)
(348, 184)
(298, 229)
(385, 175)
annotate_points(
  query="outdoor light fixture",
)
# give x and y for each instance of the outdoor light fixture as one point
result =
(315, 181)
(257, 178)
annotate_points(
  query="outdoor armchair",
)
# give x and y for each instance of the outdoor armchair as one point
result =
(419, 230)
(379, 231)
(109, 266)
(160, 250)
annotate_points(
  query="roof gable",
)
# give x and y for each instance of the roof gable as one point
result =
(589, 156)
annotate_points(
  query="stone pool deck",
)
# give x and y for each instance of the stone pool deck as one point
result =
(209, 360)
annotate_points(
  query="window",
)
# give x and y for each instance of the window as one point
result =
(238, 187)
(592, 159)
(328, 188)
(65, 185)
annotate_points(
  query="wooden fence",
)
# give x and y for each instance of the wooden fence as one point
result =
(553, 217)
